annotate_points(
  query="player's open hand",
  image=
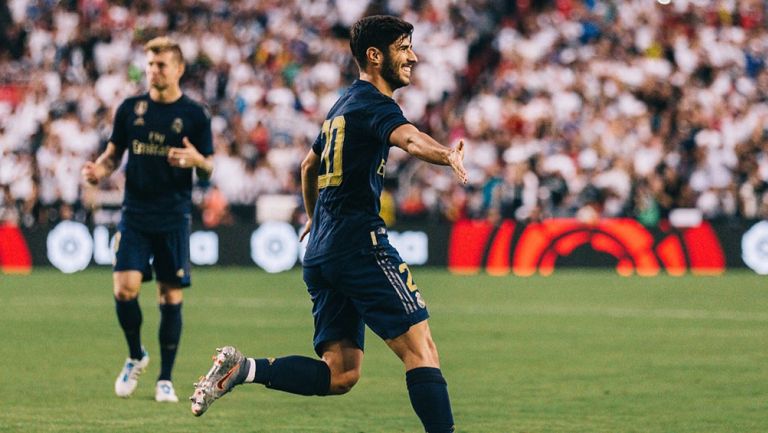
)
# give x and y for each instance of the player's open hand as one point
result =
(456, 159)
(184, 157)
(90, 173)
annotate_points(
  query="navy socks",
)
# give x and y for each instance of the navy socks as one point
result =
(129, 316)
(307, 376)
(169, 336)
(294, 374)
(429, 397)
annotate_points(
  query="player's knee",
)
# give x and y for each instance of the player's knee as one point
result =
(126, 285)
(169, 295)
(123, 293)
(422, 354)
(344, 382)
(423, 358)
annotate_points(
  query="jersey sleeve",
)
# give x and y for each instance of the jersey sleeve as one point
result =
(317, 146)
(119, 133)
(384, 117)
(203, 139)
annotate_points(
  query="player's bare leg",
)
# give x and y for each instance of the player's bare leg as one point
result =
(345, 360)
(416, 347)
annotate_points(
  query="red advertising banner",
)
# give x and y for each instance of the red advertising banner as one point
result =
(14, 253)
(470, 246)
(536, 247)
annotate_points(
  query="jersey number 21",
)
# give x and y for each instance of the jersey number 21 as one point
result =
(331, 168)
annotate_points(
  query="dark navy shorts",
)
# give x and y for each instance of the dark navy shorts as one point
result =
(374, 288)
(167, 252)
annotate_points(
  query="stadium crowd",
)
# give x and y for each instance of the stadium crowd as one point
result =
(569, 108)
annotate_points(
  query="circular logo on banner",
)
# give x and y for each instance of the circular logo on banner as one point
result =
(274, 246)
(204, 248)
(70, 247)
(412, 246)
(754, 248)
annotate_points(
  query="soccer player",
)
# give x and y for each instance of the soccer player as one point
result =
(353, 274)
(158, 130)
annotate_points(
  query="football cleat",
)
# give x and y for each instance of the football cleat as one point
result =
(164, 392)
(219, 380)
(129, 376)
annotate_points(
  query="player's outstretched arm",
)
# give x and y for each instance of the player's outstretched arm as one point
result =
(105, 164)
(424, 147)
(189, 157)
(309, 188)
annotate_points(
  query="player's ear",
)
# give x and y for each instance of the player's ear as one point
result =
(374, 56)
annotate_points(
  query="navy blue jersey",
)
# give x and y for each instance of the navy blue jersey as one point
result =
(157, 195)
(353, 146)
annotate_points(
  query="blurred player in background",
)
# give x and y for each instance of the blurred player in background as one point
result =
(354, 276)
(166, 135)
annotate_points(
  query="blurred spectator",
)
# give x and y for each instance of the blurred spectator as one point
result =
(215, 208)
(412, 207)
(9, 214)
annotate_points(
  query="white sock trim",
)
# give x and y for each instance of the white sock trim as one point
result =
(251, 370)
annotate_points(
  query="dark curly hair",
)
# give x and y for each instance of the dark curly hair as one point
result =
(378, 31)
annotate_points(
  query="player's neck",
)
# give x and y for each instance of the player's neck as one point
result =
(165, 96)
(378, 82)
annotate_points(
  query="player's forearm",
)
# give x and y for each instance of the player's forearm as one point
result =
(309, 193)
(426, 148)
(309, 186)
(204, 168)
(107, 162)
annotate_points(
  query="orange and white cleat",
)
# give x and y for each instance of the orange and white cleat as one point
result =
(220, 379)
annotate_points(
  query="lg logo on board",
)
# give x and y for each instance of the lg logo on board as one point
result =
(274, 246)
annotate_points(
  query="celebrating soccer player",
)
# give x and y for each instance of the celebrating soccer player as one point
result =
(167, 135)
(353, 274)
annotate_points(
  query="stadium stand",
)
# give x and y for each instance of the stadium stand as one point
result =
(570, 108)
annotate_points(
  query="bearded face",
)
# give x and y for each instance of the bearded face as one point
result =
(398, 63)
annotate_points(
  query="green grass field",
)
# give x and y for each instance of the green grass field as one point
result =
(580, 351)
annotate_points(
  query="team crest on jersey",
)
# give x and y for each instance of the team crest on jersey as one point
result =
(177, 125)
(420, 301)
(140, 108)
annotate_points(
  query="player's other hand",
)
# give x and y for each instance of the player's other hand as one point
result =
(91, 173)
(305, 232)
(456, 160)
(184, 157)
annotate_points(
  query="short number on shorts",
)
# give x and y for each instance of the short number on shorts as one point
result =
(409, 278)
